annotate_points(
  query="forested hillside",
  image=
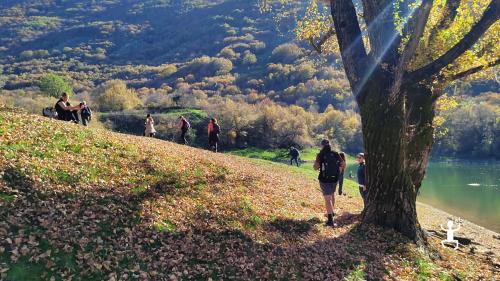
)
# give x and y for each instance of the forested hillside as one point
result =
(225, 57)
(220, 47)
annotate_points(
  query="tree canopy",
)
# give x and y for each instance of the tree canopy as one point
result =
(54, 85)
(455, 39)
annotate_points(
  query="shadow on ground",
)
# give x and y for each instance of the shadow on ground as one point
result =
(102, 233)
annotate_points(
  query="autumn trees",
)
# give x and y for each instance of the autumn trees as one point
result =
(398, 57)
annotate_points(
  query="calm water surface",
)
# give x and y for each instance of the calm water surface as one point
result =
(470, 190)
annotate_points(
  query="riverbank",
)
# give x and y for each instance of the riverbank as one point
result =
(483, 241)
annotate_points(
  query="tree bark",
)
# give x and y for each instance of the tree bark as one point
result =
(398, 141)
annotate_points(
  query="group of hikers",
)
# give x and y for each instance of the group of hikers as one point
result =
(66, 112)
(330, 164)
(183, 127)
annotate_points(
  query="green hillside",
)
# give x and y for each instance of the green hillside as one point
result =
(88, 204)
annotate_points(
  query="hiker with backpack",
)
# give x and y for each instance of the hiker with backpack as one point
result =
(329, 164)
(65, 111)
(294, 154)
(362, 177)
(86, 113)
(213, 134)
(149, 128)
(184, 127)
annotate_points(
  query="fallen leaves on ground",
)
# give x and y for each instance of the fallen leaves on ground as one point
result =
(84, 204)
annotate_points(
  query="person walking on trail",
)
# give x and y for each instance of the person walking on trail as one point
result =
(329, 164)
(65, 111)
(294, 155)
(213, 134)
(149, 126)
(184, 127)
(86, 113)
(341, 175)
(362, 177)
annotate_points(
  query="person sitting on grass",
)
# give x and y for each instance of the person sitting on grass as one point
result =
(294, 154)
(65, 111)
(329, 163)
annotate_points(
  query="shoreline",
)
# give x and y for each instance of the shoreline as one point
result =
(484, 240)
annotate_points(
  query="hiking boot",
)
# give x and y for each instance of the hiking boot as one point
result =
(329, 222)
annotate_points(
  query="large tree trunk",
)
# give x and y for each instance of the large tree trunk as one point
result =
(398, 137)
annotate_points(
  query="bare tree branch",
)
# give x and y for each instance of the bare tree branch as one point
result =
(416, 27)
(319, 46)
(350, 39)
(473, 70)
(490, 16)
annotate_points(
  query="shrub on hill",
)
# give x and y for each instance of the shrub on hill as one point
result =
(207, 66)
(54, 85)
(286, 53)
(115, 96)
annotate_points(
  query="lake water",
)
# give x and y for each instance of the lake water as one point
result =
(469, 190)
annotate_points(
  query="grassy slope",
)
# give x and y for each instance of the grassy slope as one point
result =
(94, 205)
(307, 156)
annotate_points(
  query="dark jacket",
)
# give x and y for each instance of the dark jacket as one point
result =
(362, 174)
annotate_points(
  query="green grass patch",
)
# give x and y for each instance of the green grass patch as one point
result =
(6, 197)
(280, 155)
(253, 222)
(64, 177)
(192, 113)
(23, 269)
(165, 226)
(358, 274)
(424, 269)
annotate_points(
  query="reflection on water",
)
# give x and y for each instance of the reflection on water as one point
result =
(466, 189)
(469, 190)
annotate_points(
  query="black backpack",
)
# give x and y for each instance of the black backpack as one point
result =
(329, 167)
(216, 129)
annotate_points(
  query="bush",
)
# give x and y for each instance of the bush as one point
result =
(54, 85)
(26, 55)
(168, 70)
(228, 53)
(286, 53)
(249, 58)
(41, 53)
(206, 67)
(115, 96)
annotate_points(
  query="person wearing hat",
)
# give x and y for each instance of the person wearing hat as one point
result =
(329, 164)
